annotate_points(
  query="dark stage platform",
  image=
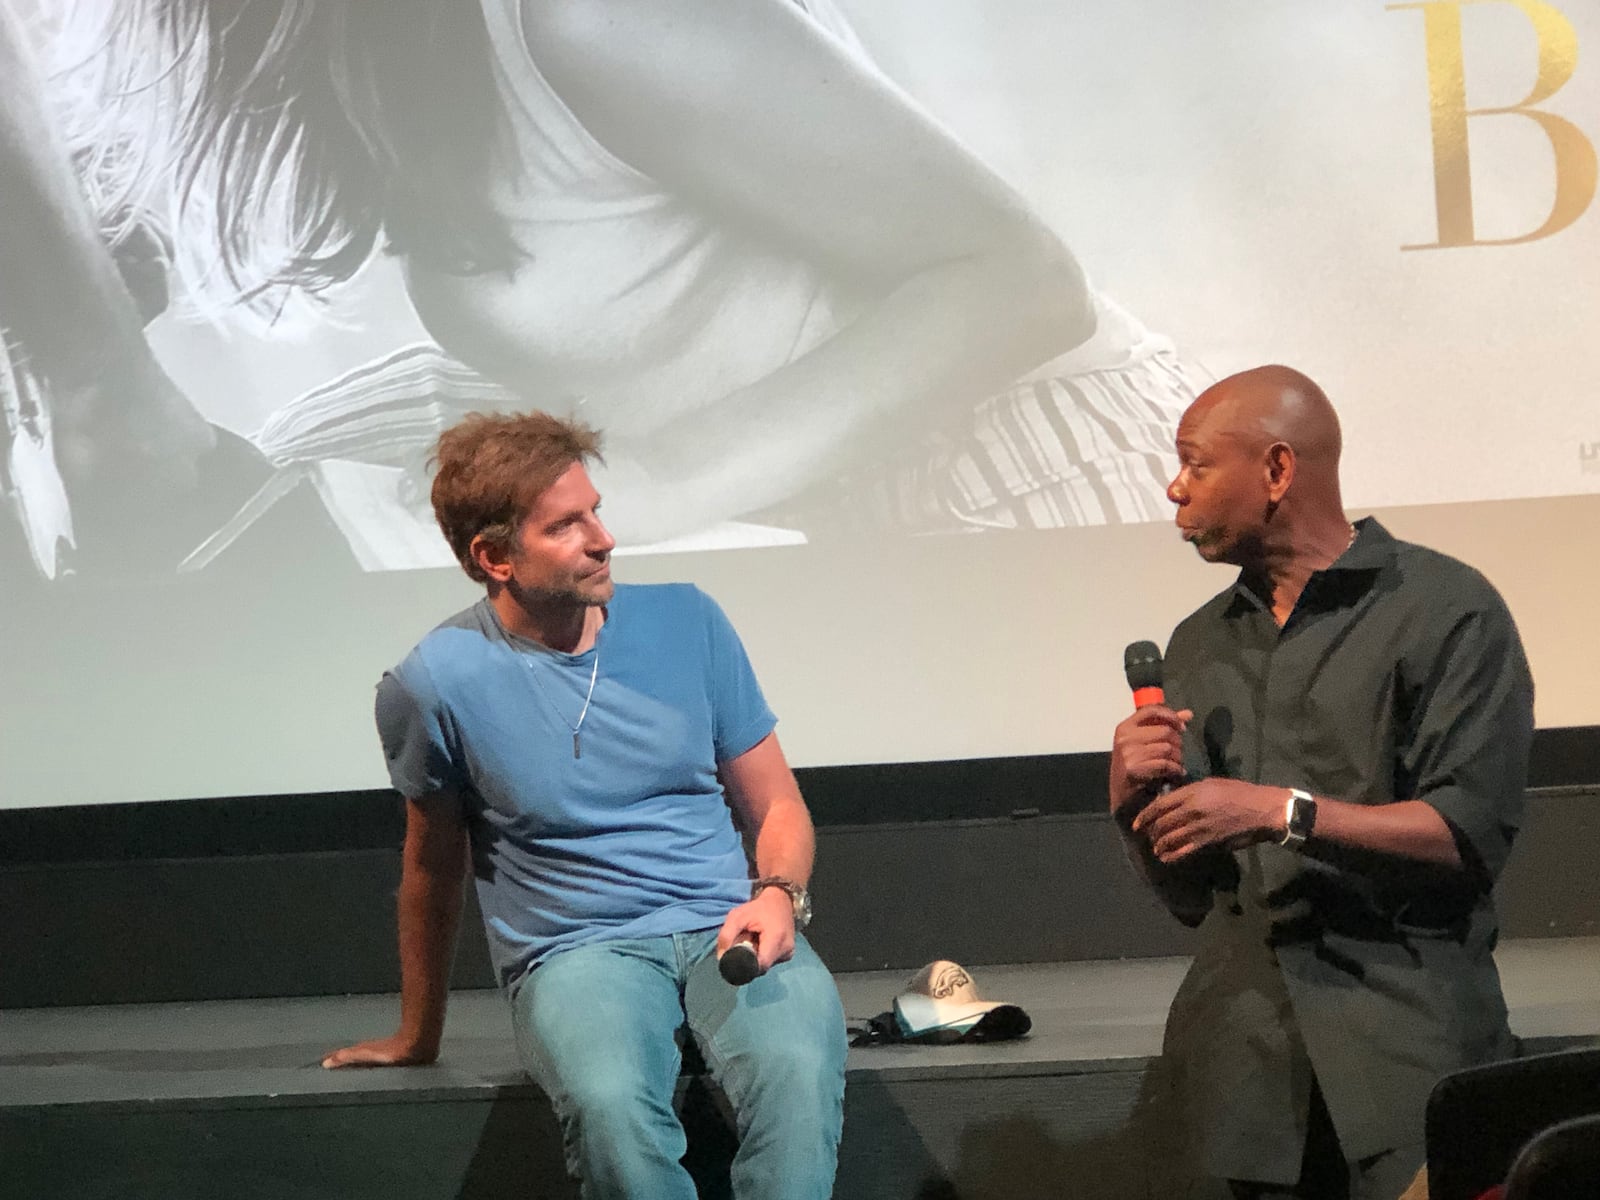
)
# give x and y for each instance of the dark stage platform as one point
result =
(224, 1098)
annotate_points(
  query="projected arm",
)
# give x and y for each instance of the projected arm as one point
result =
(763, 791)
(126, 439)
(750, 111)
(429, 914)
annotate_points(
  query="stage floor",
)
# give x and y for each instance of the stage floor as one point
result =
(1087, 1017)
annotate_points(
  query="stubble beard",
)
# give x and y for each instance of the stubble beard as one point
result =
(1217, 545)
(1205, 542)
(576, 594)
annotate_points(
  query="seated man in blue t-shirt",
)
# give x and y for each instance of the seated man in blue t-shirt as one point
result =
(588, 741)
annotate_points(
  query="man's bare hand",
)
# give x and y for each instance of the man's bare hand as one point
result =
(769, 919)
(1146, 752)
(1228, 813)
(395, 1051)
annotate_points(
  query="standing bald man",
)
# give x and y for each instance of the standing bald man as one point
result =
(1346, 750)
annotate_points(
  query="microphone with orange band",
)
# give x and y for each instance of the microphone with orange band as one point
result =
(1141, 662)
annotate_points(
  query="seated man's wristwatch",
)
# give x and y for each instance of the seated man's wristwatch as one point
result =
(798, 896)
(1299, 818)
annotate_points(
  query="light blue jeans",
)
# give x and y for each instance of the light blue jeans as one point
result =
(595, 1028)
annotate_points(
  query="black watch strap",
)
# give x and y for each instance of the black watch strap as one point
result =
(1299, 818)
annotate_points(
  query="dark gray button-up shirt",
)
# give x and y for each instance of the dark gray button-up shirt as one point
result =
(1398, 676)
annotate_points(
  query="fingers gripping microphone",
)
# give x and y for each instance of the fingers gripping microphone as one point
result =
(1141, 662)
(739, 964)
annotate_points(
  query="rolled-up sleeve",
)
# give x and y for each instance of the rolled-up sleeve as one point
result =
(415, 745)
(1472, 731)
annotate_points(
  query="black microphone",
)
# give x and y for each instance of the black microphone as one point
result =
(1141, 663)
(738, 963)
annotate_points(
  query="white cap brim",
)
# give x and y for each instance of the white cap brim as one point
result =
(919, 1014)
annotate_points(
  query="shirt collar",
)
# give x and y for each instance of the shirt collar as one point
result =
(1371, 550)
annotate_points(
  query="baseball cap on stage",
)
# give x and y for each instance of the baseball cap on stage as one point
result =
(941, 1004)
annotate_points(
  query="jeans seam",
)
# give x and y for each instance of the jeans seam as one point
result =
(717, 1067)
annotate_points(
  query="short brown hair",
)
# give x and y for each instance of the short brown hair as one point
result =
(492, 469)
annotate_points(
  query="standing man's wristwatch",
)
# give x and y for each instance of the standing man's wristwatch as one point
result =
(798, 896)
(1299, 818)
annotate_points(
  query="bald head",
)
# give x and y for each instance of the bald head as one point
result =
(1258, 478)
(1271, 404)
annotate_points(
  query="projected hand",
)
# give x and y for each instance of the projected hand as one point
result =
(127, 442)
(394, 1051)
(146, 477)
(1210, 812)
(130, 438)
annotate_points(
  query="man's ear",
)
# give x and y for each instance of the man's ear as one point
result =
(1279, 471)
(491, 556)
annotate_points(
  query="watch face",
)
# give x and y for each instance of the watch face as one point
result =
(1302, 816)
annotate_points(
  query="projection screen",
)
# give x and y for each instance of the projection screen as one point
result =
(887, 310)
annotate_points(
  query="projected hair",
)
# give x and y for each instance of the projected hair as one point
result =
(283, 138)
(492, 469)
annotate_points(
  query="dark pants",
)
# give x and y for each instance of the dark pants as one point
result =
(1326, 1175)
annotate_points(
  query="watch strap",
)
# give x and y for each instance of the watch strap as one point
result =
(799, 897)
(1299, 818)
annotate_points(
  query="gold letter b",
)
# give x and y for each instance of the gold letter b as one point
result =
(1447, 85)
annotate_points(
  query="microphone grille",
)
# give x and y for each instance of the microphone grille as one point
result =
(1141, 661)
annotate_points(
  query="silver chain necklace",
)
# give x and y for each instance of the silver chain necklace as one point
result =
(594, 674)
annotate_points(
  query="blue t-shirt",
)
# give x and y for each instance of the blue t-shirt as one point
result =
(632, 839)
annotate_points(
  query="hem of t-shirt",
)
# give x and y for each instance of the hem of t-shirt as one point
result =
(695, 920)
(748, 738)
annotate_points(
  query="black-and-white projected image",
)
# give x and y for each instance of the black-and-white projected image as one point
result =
(841, 283)
(787, 309)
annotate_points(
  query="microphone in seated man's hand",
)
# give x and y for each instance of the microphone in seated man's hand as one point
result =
(738, 963)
